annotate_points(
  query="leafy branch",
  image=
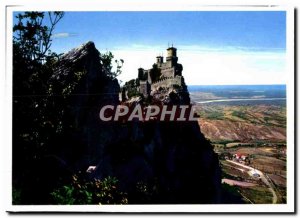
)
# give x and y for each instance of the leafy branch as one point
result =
(107, 66)
(33, 36)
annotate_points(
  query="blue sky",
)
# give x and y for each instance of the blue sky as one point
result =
(265, 30)
(214, 47)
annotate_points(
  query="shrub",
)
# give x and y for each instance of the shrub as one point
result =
(16, 196)
(96, 191)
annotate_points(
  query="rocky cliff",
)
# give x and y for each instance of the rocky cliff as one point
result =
(172, 161)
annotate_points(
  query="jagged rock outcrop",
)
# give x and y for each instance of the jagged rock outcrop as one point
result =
(155, 162)
(83, 88)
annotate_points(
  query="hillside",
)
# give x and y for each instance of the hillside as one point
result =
(249, 121)
(242, 123)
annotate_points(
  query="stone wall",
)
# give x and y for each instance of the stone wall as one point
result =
(144, 88)
(168, 72)
(167, 82)
(164, 65)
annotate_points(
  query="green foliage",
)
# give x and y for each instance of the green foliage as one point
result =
(16, 196)
(64, 195)
(155, 73)
(224, 142)
(146, 191)
(32, 36)
(132, 88)
(258, 195)
(40, 119)
(231, 194)
(215, 115)
(107, 61)
(68, 89)
(81, 191)
(32, 66)
(35, 116)
(239, 114)
(231, 189)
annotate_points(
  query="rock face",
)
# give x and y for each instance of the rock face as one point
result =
(155, 162)
(83, 88)
(170, 95)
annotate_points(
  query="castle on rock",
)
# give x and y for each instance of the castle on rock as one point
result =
(163, 74)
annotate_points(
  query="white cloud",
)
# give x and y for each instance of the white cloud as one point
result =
(205, 65)
(63, 35)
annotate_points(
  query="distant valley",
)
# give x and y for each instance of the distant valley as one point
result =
(242, 123)
(247, 127)
(239, 113)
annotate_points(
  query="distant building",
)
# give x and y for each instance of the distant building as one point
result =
(170, 73)
(240, 157)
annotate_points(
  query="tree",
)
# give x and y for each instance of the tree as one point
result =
(132, 88)
(32, 67)
(32, 36)
(33, 117)
(106, 60)
(41, 123)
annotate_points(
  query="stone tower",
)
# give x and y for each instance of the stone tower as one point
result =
(171, 73)
(171, 57)
(159, 60)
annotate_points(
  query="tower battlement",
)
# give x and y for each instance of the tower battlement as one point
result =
(170, 73)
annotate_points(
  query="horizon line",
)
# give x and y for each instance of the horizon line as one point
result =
(236, 84)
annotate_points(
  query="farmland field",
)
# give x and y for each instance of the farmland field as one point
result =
(248, 121)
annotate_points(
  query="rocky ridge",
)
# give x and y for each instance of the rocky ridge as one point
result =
(172, 158)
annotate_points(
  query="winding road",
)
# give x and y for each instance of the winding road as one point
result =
(262, 177)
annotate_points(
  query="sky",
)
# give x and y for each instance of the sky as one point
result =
(214, 47)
